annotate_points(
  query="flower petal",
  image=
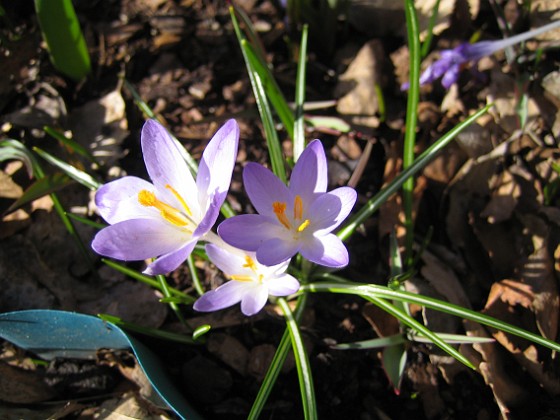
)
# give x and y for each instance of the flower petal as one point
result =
(254, 300)
(211, 215)
(138, 239)
(276, 250)
(310, 173)
(118, 200)
(227, 261)
(226, 295)
(282, 286)
(166, 166)
(330, 209)
(170, 261)
(264, 188)
(249, 231)
(450, 76)
(325, 250)
(216, 165)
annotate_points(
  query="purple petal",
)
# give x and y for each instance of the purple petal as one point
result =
(226, 295)
(165, 165)
(226, 261)
(274, 251)
(330, 209)
(264, 188)
(254, 300)
(211, 215)
(249, 231)
(216, 165)
(169, 262)
(282, 286)
(310, 173)
(450, 76)
(138, 239)
(325, 250)
(118, 200)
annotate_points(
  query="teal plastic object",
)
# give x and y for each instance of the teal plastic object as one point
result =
(50, 334)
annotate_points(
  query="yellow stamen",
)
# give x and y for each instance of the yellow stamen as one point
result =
(279, 209)
(169, 213)
(302, 227)
(146, 198)
(241, 278)
(179, 198)
(298, 208)
(249, 263)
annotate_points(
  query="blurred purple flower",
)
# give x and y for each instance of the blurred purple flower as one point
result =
(251, 283)
(451, 61)
(165, 219)
(295, 219)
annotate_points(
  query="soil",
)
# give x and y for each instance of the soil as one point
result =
(487, 221)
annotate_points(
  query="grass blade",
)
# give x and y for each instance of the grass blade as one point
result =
(63, 36)
(410, 124)
(302, 363)
(275, 366)
(299, 126)
(82, 177)
(378, 199)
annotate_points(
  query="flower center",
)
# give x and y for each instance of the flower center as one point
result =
(249, 263)
(169, 213)
(279, 209)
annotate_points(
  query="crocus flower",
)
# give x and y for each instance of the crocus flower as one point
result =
(295, 219)
(251, 283)
(451, 61)
(165, 219)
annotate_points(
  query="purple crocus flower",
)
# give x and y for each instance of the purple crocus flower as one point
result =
(251, 283)
(295, 219)
(165, 219)
(451, 61)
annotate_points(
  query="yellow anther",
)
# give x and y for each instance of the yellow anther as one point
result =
(298, 208)
(279, 209)
(179, 198)
(302, 227)
(249, 263)
(169, 213)
(147, 198)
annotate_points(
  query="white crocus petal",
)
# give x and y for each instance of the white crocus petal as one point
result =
(250, 283)
(166, 167)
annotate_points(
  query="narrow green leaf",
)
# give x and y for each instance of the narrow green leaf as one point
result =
(374, 343)
(63, 36)
(394, 362)
(376, 201)
(371, 290)
(302, 363)
(410, 125)
(82, 177)
(452, 338)
(85, 221)
(408, 320)
(70, 143)
(11, 149)
(41, 187)
(258, 60)
(430, 31)
(145, 279)
(299, 126)
(152, 332)
(276, 365)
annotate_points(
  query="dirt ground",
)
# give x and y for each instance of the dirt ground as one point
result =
(488, 205)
